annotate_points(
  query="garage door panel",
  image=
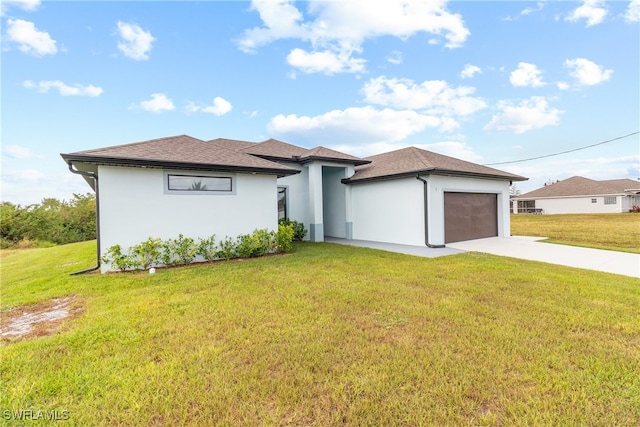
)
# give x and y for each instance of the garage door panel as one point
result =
(469, 216)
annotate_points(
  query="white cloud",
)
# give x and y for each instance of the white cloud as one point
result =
(158, 103)
(587, 73)
(563, 85)
(526, 75)
(633, 11)
(64, 89)
(469, 71)
(135, 42)
(529, 114)
(395, 57)
(30, 40)
(27, 186)
(339, 29)
(220, 107)
(433, 96)
(17, 152)
(530, 10)
(591, 10)
(327, 62)
(354, 125)
(29, 175)
(28, 5)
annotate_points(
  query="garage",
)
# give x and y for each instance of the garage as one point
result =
(469, 216)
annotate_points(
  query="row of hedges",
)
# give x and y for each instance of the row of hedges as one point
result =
(155, 252)
(52, 222)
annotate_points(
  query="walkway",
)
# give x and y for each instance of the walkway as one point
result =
(529, 248)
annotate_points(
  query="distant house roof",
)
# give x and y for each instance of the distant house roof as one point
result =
(181, 152)
(412, 161)
(580, 186)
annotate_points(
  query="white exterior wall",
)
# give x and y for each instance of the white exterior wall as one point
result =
(581, 204)
(297, 194)
(438, 185)
(134, 207)
(334, 213)
(393, 211)
(389, 211)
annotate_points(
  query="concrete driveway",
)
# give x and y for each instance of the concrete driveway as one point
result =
(531, 248)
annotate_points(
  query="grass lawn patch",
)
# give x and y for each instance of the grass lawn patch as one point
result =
(327, 335)
(616, 232)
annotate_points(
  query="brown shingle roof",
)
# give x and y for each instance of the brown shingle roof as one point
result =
(580, 186)
(323, 153)
(233, 144)
(274, 149)
(178, 152)
(412, 160)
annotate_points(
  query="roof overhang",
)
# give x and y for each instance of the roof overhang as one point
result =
(434, 171)
(163, 164)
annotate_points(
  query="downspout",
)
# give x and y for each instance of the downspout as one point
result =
(426, 215)
(94, 176)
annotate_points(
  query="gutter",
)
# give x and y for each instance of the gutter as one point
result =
(426, 215)
(94, 176)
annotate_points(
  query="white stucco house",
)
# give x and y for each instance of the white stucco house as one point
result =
(580, 195)
(167, 186)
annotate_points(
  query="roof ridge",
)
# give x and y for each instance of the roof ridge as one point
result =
(130, 144)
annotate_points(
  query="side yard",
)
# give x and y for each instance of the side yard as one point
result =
(617, 232)
(326, 335)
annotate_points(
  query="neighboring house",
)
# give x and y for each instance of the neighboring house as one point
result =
(167, 186)
(580, 195)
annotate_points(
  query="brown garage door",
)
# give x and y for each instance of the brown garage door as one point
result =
(470, 216)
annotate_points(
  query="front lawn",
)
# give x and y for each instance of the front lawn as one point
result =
(617, 232)
(327, 335)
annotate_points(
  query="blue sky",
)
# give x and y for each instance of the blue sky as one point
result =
(487, 82)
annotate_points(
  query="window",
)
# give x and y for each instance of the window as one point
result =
(610, 200)
(282, 202)
(195, 183)
(526, 206)
(594, 200)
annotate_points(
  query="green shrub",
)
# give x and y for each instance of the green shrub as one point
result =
(148, 252)
(180, 251)
(299, 232)
(207, 248)
(227, 249)
(255, 244)
(284, 238)
(116, 258)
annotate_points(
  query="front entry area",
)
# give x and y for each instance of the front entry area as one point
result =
(469, 216)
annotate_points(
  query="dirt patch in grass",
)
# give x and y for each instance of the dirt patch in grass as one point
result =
(37, 320)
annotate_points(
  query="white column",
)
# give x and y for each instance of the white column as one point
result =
(316, 226)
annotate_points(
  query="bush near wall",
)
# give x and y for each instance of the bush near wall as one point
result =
(155, 252)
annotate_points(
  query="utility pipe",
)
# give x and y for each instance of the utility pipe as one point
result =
(426, 215)
(94, 176)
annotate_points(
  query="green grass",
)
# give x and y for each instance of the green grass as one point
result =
(328, 335)
(617, 232)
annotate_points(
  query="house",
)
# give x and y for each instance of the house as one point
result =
(167, 186)
(580, 195)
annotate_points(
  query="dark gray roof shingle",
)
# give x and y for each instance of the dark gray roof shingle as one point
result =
(180, 151)
(412, 160)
